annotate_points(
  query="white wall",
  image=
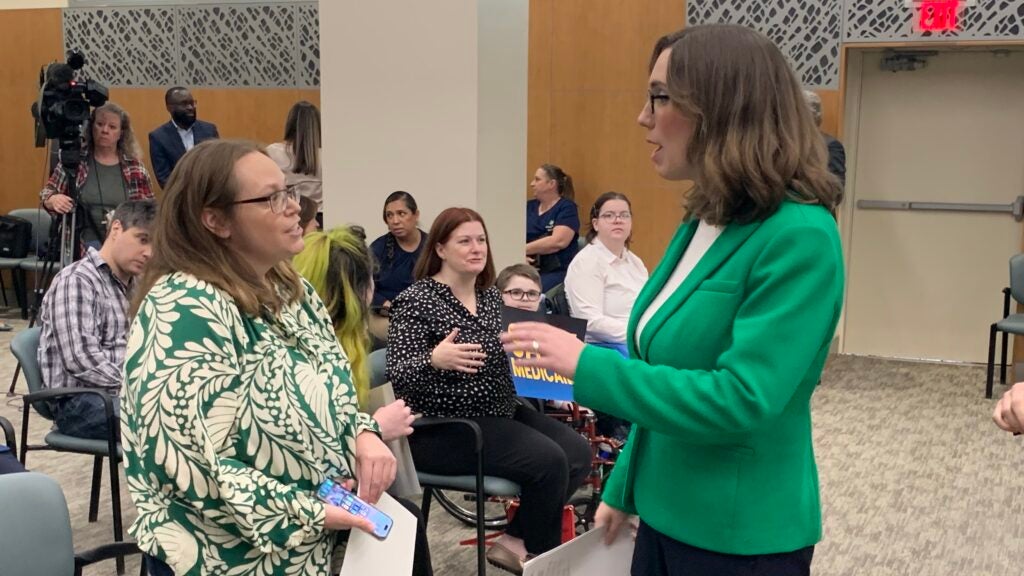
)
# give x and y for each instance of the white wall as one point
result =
(20, 4)
(427, 97)
(501, 129)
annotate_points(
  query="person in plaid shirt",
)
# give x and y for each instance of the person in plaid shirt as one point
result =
(110, 173)
(84, 319)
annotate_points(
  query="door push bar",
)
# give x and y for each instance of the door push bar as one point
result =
(1016, 208)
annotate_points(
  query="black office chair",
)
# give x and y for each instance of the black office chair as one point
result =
(480, 486)
(556, 301)
(1010, 324)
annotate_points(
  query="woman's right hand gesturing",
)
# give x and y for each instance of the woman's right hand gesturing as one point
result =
(462, 357)
(60, 203)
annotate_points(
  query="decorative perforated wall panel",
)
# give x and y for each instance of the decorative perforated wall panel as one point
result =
(309, 45)
(254, 44)
(125, 46)
(892, 20)
(807, 31)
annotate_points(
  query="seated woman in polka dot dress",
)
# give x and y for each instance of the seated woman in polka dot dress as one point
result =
(444, 359)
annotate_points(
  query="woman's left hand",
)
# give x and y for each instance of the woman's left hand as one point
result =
(375, 466)
(547, 347)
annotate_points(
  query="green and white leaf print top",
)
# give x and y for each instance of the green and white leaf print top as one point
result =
(229, 423)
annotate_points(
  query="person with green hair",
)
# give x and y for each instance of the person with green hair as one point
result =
(340, 267)
(338, 264)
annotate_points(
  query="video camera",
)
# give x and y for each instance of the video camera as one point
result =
(65, 100)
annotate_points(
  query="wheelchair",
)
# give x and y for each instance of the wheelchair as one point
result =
(604, 451)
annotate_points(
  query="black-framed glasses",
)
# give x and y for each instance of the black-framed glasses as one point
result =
(655, 97)
(523, 295)
(277, 200)
(612, 216)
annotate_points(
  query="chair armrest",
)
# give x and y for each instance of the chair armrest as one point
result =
(1006, 302)
(105, 552)
(8, 429)
(433, 421)
(57, 393)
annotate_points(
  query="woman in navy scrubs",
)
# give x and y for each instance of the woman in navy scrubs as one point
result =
(552, 225)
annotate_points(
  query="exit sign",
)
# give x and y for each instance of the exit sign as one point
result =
(937, 15)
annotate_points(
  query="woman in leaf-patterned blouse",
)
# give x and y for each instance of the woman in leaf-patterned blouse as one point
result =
(237, 398)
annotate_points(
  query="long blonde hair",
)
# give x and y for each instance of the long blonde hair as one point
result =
(340, 267)
(205, 178)
(127, 146)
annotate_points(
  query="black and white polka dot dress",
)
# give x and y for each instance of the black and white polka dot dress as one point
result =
(421, 317)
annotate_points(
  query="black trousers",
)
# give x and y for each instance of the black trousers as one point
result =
(421, 565)
(9, 463)
(548, 460)
(658, 555)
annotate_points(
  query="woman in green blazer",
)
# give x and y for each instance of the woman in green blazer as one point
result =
(728, 338)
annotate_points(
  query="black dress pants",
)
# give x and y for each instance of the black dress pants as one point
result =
(548, 460)
(658, 555)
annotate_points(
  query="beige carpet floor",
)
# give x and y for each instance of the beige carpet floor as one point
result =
(915, 478)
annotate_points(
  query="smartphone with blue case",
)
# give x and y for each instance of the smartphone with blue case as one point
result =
(332, 492)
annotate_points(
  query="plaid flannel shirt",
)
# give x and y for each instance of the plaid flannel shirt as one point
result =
(84, 319)
(136, 179)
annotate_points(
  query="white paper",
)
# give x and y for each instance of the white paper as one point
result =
(586, 555)
(365, 554)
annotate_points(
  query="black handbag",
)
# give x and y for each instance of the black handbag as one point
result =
(15, 237)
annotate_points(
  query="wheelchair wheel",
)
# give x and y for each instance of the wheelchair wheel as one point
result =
(462, 506)
(584, 508)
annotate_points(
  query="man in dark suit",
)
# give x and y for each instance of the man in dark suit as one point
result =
(169, 142)
(836, 152)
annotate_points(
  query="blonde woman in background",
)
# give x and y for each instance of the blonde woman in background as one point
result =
(110, 173)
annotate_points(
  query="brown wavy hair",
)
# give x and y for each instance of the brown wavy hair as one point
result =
(446, 222)
(205, 178)
(754, 142)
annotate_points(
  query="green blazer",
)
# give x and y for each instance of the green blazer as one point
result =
(719, 387)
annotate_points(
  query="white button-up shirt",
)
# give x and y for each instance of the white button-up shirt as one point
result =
(602, 288)
(188, 138)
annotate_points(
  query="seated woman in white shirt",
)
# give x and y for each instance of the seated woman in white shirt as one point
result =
(605, 278)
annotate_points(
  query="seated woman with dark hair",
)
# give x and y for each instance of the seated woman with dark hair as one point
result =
(552, 224)
(396, 253)
(339, 266)
(444, 357)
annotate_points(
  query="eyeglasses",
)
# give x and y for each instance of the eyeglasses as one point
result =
(653, 97)
(523, 295)
(277, 200)
(612, 216)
